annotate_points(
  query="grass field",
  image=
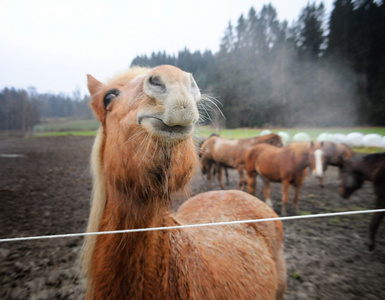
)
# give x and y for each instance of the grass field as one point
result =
(62, 127)
(65, 125)
(206, 131)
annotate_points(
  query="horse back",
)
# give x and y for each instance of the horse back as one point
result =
(257, 247)
(267, 160)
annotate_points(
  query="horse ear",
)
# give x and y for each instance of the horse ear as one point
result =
(94, 87)
(311, 145)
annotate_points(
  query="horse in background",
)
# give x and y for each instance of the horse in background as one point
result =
(288, 165)
(207, 163)
(229, 153)
(335, 155)
(354, 172)
(144, 152)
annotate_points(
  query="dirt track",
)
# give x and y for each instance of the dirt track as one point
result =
(48, 191)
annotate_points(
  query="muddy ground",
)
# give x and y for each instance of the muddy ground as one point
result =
(47, 190)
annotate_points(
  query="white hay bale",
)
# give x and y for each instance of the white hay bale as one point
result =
(284, 136)
(372, 140)
(325, 136)
(354, 139)
(383, 142)
(339, 138)
(265, 132)
(301, 137)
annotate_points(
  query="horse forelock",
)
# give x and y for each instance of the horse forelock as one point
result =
(97, 202)
(129, 75)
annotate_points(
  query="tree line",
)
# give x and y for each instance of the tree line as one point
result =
(313, 72)
(21, 110)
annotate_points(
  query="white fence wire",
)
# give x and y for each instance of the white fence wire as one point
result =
(346, 213)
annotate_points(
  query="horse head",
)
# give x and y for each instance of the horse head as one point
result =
(317, 159)
(142, 113)
(351, 179)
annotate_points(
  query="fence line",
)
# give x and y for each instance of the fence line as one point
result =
(17, 239)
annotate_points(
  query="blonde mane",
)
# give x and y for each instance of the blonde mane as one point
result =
(123, 77)
(98, 200)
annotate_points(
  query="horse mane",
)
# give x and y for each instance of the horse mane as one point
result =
(124, 77)
(299, 150)
(374, 158)
(98, 200)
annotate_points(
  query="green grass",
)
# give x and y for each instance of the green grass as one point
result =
(368, 150)
(64, 125)
(206, 131)
(68, 133)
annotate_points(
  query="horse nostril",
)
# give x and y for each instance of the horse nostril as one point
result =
(157, 83)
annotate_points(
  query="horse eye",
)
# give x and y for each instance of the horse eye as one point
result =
(109, 96)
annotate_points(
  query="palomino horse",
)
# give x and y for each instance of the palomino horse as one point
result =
(226, 153)
(335, 154)
(143, 152)
(288, 165)
(354, 172)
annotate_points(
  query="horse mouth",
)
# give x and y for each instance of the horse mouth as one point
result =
(157, 127)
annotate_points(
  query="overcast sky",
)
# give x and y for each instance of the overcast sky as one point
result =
(52, 44)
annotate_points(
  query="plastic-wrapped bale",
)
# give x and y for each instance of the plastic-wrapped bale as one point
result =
(372, 140)
(354, 139)
(265, 132)
(325, 136)
(301, 137)
(339, 138)
(284, 136)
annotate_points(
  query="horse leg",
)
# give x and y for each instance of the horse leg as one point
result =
(219, 176)
(251, 182)
(242, 181)
(266, 192)
(297, 189)
(209, 175)
(377, 217)
(285, 197)
(321, 182)
(374, 223)
(227, 177)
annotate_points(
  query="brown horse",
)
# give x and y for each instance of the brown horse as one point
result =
(143, 152)
(335, 155)
(288, 165)
(226, 153)
(207, 163)
(354, 172)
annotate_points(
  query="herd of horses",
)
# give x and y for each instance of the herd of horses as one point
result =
(267, 157)
(143, 152)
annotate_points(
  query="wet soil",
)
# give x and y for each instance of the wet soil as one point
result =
(47, 189)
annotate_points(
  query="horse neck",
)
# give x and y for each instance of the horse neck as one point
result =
(133, 264)
(368, 165)
(301, 158)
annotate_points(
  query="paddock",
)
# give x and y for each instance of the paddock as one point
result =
(47, 191)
